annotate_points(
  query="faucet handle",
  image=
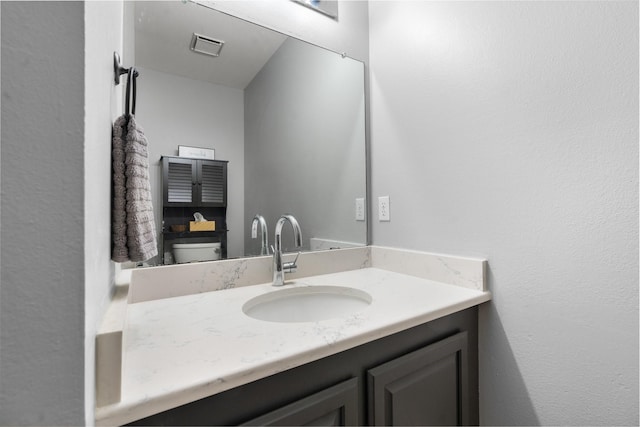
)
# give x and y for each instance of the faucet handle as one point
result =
(297, 255)
(291, 267)
(254, 228)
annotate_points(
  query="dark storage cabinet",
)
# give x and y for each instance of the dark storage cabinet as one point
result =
(425, 375)
(194, 182)
(190, 186)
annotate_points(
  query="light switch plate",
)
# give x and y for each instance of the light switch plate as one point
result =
(383, 209)
(360, 215)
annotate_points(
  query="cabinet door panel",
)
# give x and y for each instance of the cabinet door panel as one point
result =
(427, 394)
(334, 406)
(213, 183)
(425, 387)
(179, 181)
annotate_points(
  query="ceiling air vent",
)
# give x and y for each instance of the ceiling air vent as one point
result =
(206, 45)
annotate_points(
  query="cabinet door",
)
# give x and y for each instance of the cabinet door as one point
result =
(334, 406)
(212, 183)
(179, 177)
(425, 387)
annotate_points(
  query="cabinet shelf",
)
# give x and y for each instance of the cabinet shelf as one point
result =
(181, 234)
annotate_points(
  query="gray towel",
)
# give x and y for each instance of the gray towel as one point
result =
(133, 228)
(119, 251)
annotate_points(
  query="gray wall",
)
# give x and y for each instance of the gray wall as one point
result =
(348, 34)
(304, 144)
(42, 294)
(510, 130)
(178, 111)
(56, 278)
(103, 103)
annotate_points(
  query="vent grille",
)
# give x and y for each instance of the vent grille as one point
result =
(206, 45)
(180, 183)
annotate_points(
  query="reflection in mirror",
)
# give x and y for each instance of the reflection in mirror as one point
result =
(287, 116)
(326, 7)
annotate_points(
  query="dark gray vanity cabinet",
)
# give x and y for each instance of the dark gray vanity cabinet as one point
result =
(425, 375)
(425, 387)
(334, 406)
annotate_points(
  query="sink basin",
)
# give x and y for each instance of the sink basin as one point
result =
(307, 304)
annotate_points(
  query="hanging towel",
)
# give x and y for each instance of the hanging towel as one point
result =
(141, 229)
(133, 224)
(119, 251)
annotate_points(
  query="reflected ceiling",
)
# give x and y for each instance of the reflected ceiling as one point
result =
(163, 32)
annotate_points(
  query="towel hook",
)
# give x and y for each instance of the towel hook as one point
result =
(118, 69)
(130, 98)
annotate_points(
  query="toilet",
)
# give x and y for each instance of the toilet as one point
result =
(192, 252)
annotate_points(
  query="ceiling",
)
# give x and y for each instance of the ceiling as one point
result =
(163, 32)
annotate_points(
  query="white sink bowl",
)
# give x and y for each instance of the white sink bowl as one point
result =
(307, 304)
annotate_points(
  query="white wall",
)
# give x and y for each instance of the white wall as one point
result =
(103, 103)
(510, 130)
(176, 111)
(42, 289)
(304, 144)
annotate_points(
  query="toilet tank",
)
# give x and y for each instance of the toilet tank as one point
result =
(193, 252)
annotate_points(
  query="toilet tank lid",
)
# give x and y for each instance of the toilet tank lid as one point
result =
(195, 245)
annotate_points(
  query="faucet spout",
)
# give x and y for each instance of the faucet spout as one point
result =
(259, 219)
(279, 268)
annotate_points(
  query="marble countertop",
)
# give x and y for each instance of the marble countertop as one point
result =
(178, 350)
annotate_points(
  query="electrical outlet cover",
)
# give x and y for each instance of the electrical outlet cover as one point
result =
(360, 209)
(383, 209)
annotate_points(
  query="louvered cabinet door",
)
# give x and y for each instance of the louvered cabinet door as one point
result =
(179, 181)
(194, 182)
(212, 183)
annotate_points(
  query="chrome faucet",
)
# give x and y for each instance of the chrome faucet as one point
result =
(259, 219)
(279, 268)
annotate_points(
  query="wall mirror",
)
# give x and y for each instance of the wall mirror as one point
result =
(288, 116)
